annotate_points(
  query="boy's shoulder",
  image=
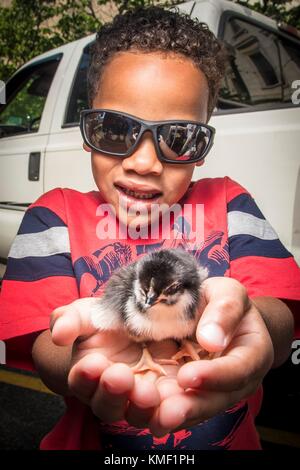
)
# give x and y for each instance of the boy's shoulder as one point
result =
(62, 200)
(224, 187)
(58, 196)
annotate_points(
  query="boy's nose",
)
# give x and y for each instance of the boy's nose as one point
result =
(144, 160)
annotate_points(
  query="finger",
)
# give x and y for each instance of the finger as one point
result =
(84, 376)
(145, 393)
(223, 374)
(70, 321)
(156, 427)
(191, 408)
(248, 358)
(109, 402)
(167, 386)
(227, 301)
(139, 411)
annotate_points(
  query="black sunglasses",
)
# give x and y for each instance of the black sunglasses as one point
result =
(118, 134)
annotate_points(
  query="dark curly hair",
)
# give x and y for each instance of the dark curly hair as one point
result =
(154, 29)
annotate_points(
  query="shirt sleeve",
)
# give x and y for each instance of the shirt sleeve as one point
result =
(258, 259)
(39, 276)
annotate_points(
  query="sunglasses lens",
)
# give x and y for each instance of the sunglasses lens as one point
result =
(182, 141)
(111, 132)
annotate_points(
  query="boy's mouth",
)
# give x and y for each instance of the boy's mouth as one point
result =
(137, 194)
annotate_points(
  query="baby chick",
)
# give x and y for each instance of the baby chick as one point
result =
(152, 299)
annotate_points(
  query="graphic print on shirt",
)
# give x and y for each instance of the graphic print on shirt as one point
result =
(94, 270)
(216, 434)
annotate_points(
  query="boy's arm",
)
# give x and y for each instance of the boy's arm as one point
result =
(260, 262)
(39, 277)
(280, 324)
(52, 363)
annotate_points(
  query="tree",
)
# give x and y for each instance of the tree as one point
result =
(30, 28)
(24, 32)
(278, 10)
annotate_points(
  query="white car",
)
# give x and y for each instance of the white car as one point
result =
(257, 120)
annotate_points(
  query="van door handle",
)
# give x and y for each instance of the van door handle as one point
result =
(34, 166)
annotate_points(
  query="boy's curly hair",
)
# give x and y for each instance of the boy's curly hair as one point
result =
(154, 29)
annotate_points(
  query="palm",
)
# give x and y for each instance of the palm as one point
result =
(118, 348)
(108, 358)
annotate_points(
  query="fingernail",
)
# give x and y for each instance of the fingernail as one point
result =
(213, 333)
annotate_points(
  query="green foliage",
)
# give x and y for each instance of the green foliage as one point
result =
(279, 10)
(30, 28)
(76, 19)
(35, 26)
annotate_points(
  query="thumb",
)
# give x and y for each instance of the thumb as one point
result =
(69, 322)
(226, 304)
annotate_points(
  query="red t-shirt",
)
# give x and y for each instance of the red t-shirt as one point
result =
(61, 254)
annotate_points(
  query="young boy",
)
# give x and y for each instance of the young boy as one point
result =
(149, 67)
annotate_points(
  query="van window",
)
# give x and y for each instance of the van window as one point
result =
(289, 54)
(261, 68)
(27, 92)
(78, 98)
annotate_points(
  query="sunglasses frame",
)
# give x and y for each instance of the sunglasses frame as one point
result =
(146, 126)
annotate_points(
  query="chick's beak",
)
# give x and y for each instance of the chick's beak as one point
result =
(151, 300)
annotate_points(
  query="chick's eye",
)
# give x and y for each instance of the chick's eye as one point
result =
(172, 290)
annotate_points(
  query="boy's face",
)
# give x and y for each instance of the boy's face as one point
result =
(153, 87)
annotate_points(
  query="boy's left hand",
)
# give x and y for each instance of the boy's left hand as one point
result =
(230, 323)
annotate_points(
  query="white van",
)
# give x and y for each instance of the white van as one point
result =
(258, 126)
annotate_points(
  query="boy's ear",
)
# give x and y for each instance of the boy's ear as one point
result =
(86, 147)
(200, 163)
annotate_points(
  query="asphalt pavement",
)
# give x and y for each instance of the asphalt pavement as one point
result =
(26, 416)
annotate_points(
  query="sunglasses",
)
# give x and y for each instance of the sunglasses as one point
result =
(118, 134)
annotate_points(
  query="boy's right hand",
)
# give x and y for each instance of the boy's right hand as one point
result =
(99, 375)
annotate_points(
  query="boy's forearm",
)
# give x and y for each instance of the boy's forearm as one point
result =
(280, 324)
(52, 363)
